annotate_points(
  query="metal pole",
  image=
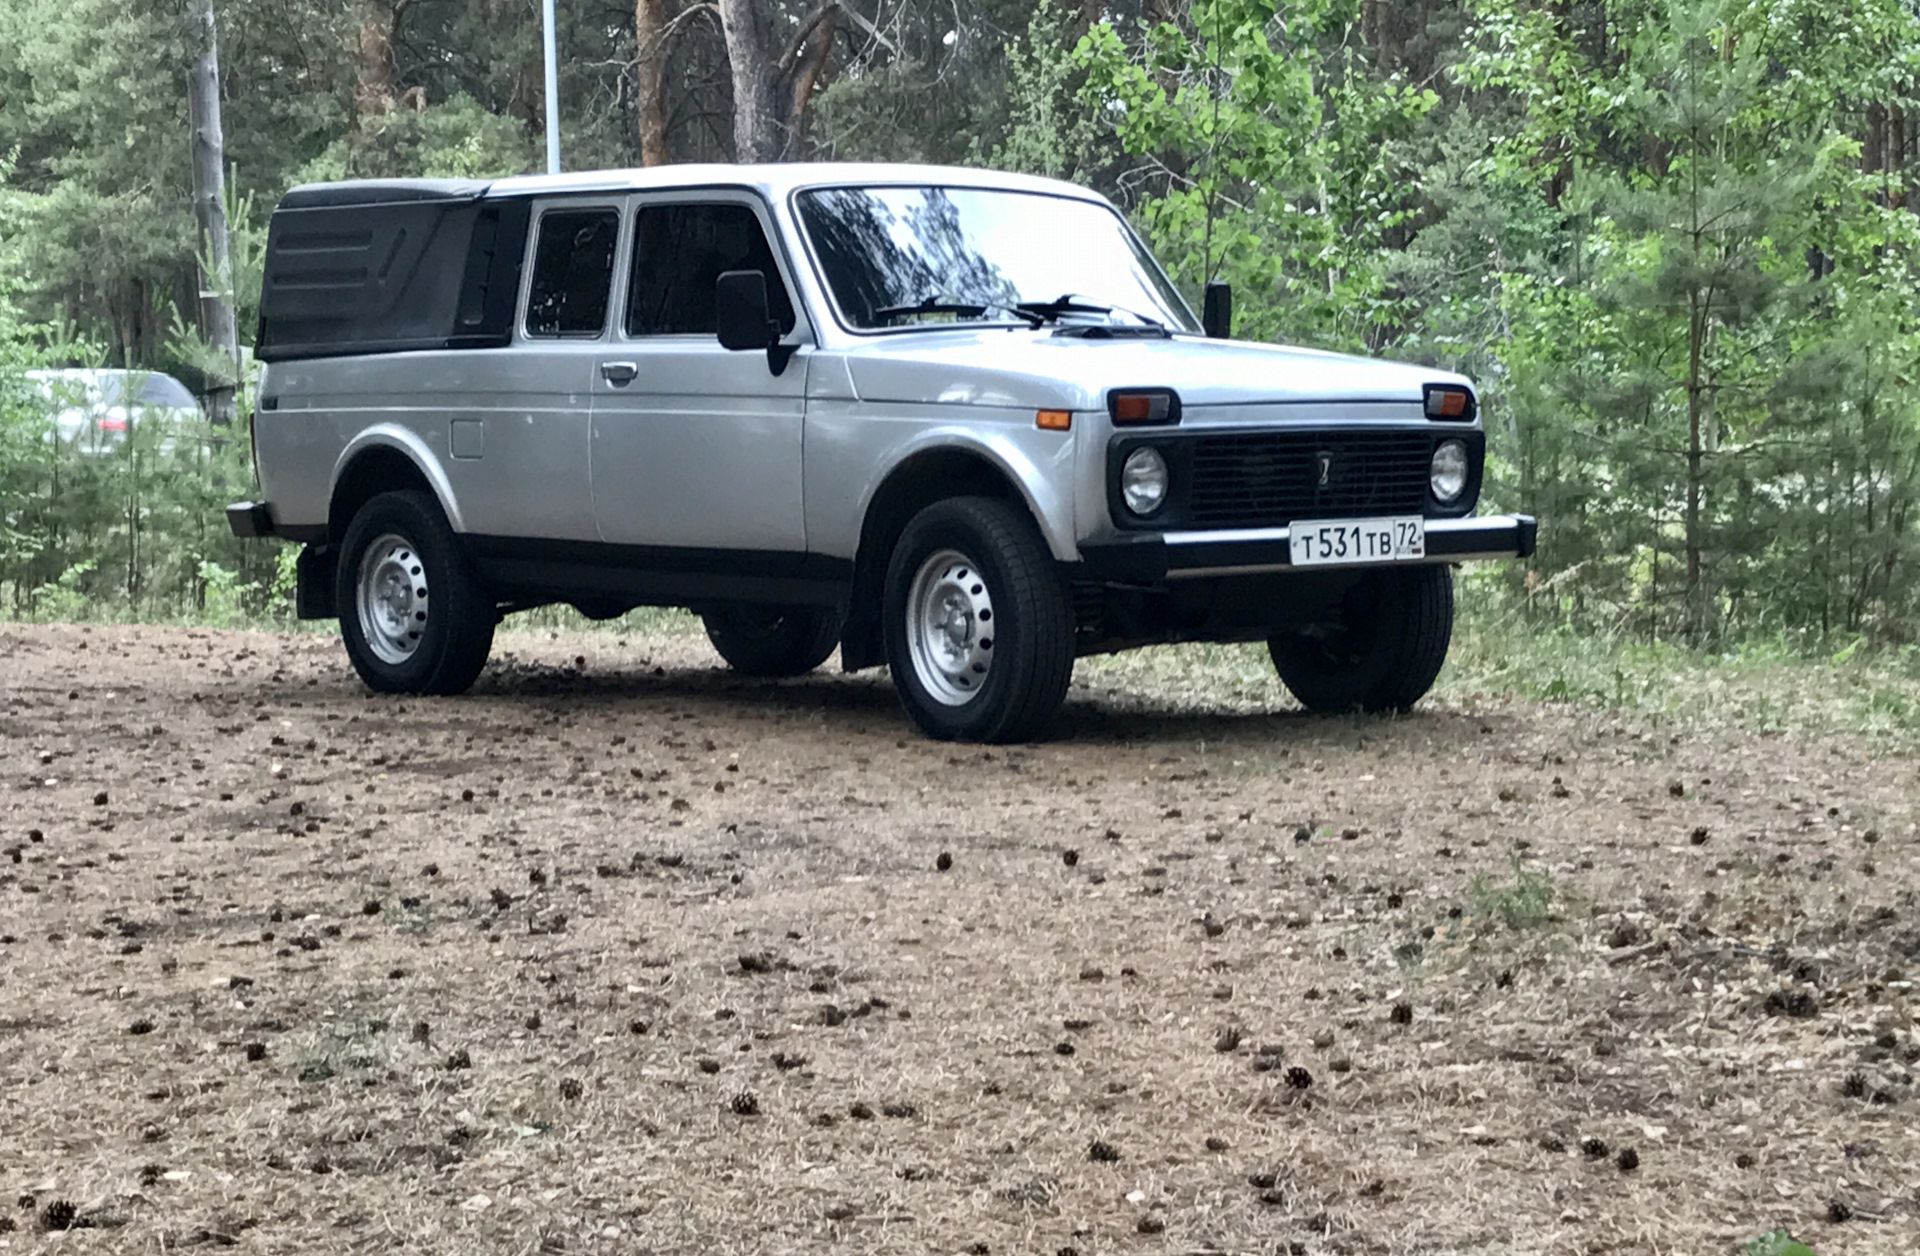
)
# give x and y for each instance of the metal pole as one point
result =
(553, 90)
(208, 150)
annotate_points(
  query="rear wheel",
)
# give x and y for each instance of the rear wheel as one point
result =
(773, 640)
(414, 616)
(1383, 650)
(979, 626)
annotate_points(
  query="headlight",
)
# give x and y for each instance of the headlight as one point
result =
(1448, 478)
(1143, 480)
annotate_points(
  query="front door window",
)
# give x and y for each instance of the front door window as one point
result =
(678, 253)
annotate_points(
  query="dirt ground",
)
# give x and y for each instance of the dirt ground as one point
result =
(622, 954)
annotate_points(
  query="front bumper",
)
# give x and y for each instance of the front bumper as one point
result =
(1159, 557)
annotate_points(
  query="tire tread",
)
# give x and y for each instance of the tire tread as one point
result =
(469, 615)
(806, 638)
(1414, 607)
(1041, 667)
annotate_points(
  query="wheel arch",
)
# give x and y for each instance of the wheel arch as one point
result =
(383, 459)
(916, 482)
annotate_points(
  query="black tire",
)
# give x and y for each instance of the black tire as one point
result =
(1010, 679)
(1384, 652)
(773, 641)
(447, 639)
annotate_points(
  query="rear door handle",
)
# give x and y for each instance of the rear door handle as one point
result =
(619, 374)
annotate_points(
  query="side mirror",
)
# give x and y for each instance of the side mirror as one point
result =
(740, 310)
(742, 319)
(1216, 315)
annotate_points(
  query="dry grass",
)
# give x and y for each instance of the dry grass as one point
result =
(689, 938)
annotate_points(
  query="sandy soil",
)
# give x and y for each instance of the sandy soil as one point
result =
(621, 954)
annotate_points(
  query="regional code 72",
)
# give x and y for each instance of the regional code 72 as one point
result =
(1358, 541)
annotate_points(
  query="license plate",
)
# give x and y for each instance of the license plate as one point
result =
(1351, 541)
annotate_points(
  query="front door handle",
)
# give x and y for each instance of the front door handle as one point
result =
(619, 374)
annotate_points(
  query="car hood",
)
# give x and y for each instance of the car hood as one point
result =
(1045, 370)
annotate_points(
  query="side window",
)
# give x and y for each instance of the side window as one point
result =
(678, 253)
(572, 272)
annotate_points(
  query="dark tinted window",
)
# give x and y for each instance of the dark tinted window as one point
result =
(572, 272)
(678, 253)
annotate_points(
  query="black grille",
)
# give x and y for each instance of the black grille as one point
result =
(1266, 479)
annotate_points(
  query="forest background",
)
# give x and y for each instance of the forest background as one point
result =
(1674, 241)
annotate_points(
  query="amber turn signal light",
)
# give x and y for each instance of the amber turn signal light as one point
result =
(1054, 420)
(1444, 401)
(1160, 405)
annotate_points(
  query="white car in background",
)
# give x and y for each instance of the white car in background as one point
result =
(93, 408)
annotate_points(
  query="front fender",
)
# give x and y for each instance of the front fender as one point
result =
(1038, 463)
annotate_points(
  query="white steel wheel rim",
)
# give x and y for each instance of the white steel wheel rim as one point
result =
(950, 627)
(392, 598)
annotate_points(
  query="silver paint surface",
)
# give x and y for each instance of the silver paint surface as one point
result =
(709, 449)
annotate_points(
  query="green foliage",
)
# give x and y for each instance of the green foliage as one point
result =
(1271, 160)
(93, 100)
(65, 597)
(224, 600)
(186, 353)
(941, 89)
(1052, 129)
(1776, 683)
(20, 445)
(1704, 363)
(133, 531)
(455, 139)
(1776, 1243)
(1525, 902)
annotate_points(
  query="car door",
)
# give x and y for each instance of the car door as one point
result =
(517, 416)
(695, 447)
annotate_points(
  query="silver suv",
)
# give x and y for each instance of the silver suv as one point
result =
(954, 422)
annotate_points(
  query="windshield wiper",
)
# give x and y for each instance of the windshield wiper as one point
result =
(1048, 311)
(962, 309)
(1051, 311)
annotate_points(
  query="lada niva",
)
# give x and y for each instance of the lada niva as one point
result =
(953, 422)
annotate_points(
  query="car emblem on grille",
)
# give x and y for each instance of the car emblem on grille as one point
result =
(1325, 460)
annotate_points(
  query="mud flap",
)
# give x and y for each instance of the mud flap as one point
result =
(313, 582)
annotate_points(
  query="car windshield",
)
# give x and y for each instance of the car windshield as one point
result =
(905, 256)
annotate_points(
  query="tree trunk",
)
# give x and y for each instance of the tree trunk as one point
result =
(210, 205)
(1697, 597)
(373, 89)
(771, 89)
(1897, 154)
(650, 74)
(749, 35)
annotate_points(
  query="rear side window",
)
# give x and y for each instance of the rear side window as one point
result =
(572, 272)
(678, 253)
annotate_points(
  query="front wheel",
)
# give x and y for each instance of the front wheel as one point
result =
(773, 641)
(979, 626)
(1381, 652)
(414, 616)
